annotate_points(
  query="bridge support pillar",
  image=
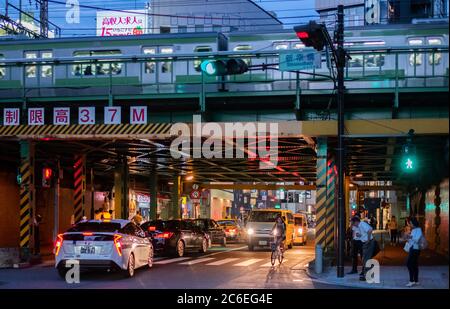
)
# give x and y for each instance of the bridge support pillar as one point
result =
(175, 212)
(153, 194)
(121, 194)
(325, 197)
(27, 200)
(79, 187)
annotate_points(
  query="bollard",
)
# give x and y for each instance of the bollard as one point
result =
(319, 259)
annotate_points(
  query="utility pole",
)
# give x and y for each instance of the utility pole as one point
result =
(43, 18)
(340, 65)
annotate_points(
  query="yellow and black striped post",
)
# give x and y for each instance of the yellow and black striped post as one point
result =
(79, 178)
(26, 171)
(331, 203)
(325, 196)
(321, 192)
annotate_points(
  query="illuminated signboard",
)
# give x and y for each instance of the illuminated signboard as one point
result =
(130, 22)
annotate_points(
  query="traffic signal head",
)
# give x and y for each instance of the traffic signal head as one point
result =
(231, 66)
(312, 35)
(47, 174)
(409, 159)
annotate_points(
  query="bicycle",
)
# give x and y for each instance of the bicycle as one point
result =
(277, 252)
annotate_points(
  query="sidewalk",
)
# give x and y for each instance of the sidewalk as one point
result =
(433, 271)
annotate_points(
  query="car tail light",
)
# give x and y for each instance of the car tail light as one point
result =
(58, 244)
(88, 234)
(152, 228)
(117, 244)
(165, 235)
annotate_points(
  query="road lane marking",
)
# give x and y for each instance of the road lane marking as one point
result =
(224, 261)
(196, 261)
(172, 260)
(248, 262)
(276, 263)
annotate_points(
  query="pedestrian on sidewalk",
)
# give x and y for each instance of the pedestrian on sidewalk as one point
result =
(37, 235)
(393, 230)
(357, 248)
(368, 243)
(413, 248)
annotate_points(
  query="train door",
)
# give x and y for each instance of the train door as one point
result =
(165, 68)
(149, 67)
(38, 75)
(415, 62)
(434, 61)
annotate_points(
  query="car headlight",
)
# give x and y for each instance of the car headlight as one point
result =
(300, 231)
(250, 231)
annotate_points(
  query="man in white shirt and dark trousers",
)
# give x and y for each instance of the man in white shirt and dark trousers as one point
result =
(357, 246)
(368, 244)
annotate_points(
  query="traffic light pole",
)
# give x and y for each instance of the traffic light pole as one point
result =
(340, 65)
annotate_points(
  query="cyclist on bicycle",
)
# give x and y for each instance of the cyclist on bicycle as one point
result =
(279, 232)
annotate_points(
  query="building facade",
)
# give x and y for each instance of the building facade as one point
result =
(369, 12)
(175, 16)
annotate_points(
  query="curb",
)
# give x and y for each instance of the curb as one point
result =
(361, 286)
(22, 265)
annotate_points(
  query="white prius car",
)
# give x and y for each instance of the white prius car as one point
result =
(106, 244)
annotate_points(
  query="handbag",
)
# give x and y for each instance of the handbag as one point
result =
(407, 246)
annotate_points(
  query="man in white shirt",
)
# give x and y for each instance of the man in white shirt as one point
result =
(356, 249)
(365, 235)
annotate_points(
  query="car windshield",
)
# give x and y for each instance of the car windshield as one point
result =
(226, 222)
(162, 225)
(108, 227)
(263, 216)
(299, 221)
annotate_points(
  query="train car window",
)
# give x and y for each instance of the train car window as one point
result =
(356, 61)
(374, 61)
(200, 49)
(280, 46)
(199, 28)
(182, 29)
(46, 70)
(164, 29)
(30, 70)
(102, 67)
(216, 28)
(415, 59)
(244, 48)
(2, 68)
(150, 65)
(166, 67)
(434, 58)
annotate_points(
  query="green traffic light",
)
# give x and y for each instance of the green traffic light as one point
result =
(209, 67)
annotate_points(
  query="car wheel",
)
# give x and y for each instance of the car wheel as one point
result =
(224, 242)
(179, 249)
(62, 271)
(150, 258)
(129, 272)
(204, 247)
(250, 247)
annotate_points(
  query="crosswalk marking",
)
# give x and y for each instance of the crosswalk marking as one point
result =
(270, 264)
(224, 261)
(248, 262)
(172, 260)
(197, 261)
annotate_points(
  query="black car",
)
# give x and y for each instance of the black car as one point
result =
(175, 237)
(213, 229)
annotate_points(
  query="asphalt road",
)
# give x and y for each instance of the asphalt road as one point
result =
(233, 267)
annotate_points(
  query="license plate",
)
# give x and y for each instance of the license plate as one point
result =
(262, 242)
(87, 250)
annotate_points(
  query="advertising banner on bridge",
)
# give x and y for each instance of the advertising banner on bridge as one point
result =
(130, 22)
